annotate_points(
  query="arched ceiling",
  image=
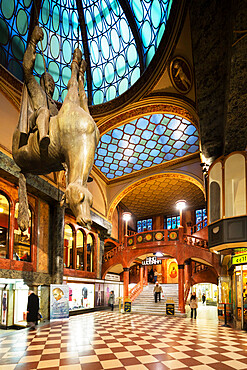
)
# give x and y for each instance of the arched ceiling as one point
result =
(118, 39)
(158, 195)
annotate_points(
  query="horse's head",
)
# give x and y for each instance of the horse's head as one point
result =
(79, 199)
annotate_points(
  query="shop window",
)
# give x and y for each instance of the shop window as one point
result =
(235, 186)
(22, 239)
(79, 250)
(68, 246)
(90, 253)
(201, 219)
(171, 222)
(4, 226)
(144, 225)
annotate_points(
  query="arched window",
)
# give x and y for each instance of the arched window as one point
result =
(22, 240)
(215, 193)
(68, 247)
(90, 253)
(79, 250)
(4, 227)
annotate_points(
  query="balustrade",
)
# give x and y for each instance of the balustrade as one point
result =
(135, 291)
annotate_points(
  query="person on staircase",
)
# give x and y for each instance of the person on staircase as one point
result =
(157, 291)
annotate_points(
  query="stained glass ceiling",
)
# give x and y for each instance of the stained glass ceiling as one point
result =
(118, 39)
(144, 142)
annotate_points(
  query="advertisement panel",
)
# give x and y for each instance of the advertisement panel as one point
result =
(59, 302)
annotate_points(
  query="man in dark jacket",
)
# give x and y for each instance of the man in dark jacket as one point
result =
(32, 309)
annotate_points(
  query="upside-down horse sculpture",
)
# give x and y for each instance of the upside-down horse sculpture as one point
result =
(46, 140)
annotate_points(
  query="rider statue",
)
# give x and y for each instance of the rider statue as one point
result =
(38, 98)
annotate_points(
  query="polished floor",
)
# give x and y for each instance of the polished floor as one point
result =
(109, 340)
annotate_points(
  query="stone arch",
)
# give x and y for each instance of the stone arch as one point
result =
(135, 184)
(112, 268)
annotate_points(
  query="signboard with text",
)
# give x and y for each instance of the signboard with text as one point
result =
(239, 259)
(151, 261)
(170, 309)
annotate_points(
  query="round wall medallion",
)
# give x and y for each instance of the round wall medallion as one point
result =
(148, 237)
(139, 239)
(181, 74)
(173, 235)
(130, 241)
(158, 236)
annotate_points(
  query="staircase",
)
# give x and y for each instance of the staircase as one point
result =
(145, 304)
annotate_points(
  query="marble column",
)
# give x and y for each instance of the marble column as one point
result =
(45, 302)
(57, 242)
(145, 275)
(126, 282)
(141, 275)
(181, 288)
(187, 271)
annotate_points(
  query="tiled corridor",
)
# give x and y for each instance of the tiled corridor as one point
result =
(106, 340)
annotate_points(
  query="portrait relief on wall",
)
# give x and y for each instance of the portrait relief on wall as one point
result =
(181, 74)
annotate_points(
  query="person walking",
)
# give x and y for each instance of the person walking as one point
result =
(111, 300)
(193, 305)
(203, 298)
(157, 291)
(32, 309)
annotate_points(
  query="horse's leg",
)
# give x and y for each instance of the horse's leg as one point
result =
(23, 216)
(73, 93)
(82, 93)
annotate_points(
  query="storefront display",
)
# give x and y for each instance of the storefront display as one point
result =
(81, 296)
(99, 295)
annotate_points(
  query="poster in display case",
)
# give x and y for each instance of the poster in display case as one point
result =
(59, 298)
(99, 295)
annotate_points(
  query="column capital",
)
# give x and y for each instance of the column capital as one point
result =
(126, 269)
(181, 267)
(188, 262)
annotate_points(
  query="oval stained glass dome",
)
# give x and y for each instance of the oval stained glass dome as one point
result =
(117, 37)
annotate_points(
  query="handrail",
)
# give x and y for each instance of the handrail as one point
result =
(135, 291)
(186, 291)
(200, 225)
(113, 252)
(195, 241)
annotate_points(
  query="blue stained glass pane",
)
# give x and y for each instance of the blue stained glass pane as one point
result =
(193, 149)
(102, 152)
(134, 139)
(150, 54)
(146, 33)
(117, 134)
(128, 152)
(105, 170)
(178, 144)
(113, 167)
(97, 77)
(143, 156)
(138, 10)
(146, 135)
(174, 222)
(99, 163)
(119, 173)
(178, 221)
(132, 55)
(135, 75)
(180, 153)
(166, 148)
(169, 156)
(139, 226)
(54, 43)
(8, 7)
(115, 40)
(123, 163)
(190, 130)
(129, 129)
(112, 148)
(108, 159)
(22, 22)
(142, 123)
(123, 144)
(156, 119)
(169, 223)
(156, 13)
(109, 72)
(191, 140)
(118, 156)
(140, 148)
(157, 160)
(120, 65)
(127, 170)
(163, 140)
(94, 52)
(150, 224)
(144, 225)
(176, 135)
(137, 167)
(151, 144)
(133, 160)
(106, 139)
(104, 47)
(98, 97)
(125, 31)
(55, 18)
(174, 123)
(154, 153)
(66, 74)
(65, 22)
(111, 93)
(67, 52)
(123, 86)
(53, 69)
(147, 164)
(110, 176)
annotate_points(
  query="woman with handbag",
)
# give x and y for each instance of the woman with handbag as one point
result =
(193, 304)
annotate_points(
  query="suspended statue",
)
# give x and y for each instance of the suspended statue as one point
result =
(46, 140)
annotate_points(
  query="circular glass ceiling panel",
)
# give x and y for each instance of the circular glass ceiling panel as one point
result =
(103, 29)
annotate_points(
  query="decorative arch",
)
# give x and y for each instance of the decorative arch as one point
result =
(140, 182)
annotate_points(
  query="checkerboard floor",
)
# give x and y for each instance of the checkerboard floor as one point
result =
(108, 340)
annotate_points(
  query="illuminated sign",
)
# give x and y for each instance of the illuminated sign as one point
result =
(240, 259)
(151, 261)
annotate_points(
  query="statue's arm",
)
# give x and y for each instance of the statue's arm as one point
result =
(29, 58)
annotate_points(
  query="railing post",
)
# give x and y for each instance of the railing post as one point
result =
(180, 234)
(181, 288)
(126, 282)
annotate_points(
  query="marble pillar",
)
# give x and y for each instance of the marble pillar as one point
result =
(57, 242)
(141, 275)
(45, 302)
(181, 288)
(126, 282)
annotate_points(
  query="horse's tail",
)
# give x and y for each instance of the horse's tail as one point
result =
(23, 216)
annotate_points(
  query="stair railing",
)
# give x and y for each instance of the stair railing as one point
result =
(195, 241)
